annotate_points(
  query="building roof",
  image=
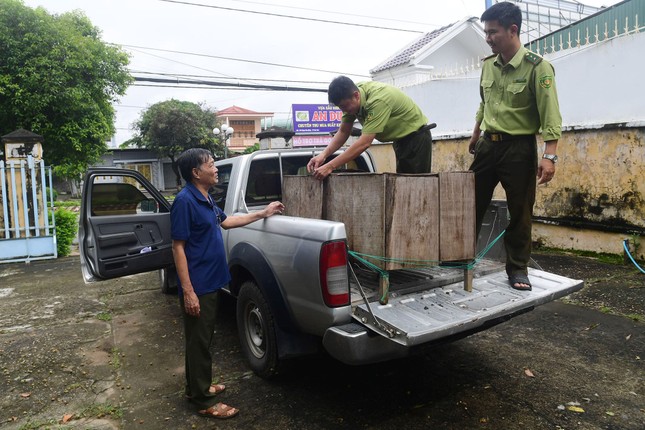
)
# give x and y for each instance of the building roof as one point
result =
(22, 135)
(240, 111)
(404, 55)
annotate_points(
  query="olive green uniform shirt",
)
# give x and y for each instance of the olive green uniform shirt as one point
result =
(387, 112)
(519, 97)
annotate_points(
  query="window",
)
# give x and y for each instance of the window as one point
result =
(265, 181)
(218, 192)
(109, 196)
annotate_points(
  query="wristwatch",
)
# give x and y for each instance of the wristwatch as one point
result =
(551, 157)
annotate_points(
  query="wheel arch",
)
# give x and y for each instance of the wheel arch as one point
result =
(247, 262)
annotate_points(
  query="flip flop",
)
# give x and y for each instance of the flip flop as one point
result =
(219, 411)
(213, 389)
(520, 278)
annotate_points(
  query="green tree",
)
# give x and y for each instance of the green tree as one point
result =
(59, 79)
(170, 127)
(252, 149)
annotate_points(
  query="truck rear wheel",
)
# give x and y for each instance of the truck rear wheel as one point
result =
(256, 328)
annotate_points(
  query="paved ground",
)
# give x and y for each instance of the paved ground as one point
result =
(109, 356)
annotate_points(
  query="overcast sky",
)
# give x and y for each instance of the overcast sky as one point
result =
(223, 29)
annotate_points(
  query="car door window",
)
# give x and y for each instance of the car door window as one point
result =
(111, 195)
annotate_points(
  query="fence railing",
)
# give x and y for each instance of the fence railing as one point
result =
(575, 38)
(27, 232)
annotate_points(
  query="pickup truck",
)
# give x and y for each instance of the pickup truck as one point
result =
(297, 287)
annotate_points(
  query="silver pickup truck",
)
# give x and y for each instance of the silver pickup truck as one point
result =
(296, 286)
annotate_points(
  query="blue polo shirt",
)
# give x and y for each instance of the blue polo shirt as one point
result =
(197, 220)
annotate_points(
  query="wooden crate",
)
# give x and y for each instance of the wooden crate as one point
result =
(358, 201)
(387, 215)
(429, 217)
(302, 196)
(458, 239)
(412, 219)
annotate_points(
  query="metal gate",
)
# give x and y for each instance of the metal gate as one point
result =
(26, 231)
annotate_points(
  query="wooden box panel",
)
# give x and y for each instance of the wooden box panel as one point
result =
(302, 196)
(458, 239)
(358, 201)
(412, 219)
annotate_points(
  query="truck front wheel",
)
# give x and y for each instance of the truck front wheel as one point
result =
(168, 280)
(256, 328)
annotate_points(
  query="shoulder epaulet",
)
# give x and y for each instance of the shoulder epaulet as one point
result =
(489, 57)
(533, 58)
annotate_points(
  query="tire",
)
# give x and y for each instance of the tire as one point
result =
(168, 281)
(256, 328)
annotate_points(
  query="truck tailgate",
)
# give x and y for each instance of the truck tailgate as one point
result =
(423, 316)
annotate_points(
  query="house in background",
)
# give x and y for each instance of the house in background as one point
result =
(455, 46)
(246, 125)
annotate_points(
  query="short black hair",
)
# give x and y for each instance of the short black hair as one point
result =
(191, 159)
(341, 88)
(506, 13)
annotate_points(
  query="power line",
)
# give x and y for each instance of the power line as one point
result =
(182, 75)
(337, 13)
(291, 16)
(225, 85)
(238, 59)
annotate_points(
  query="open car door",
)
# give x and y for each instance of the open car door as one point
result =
(124, 225)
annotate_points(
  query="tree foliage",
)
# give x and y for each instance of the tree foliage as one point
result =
(170, 127)
(59, 79)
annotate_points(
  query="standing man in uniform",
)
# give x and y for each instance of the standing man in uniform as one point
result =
(518, 98)
(386, 114)
(200, 260)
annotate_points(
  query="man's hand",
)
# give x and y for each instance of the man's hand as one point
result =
(274, 208)
(191, 303)
(472, 144)
(323, 171)
(545, 171)
(315, 162)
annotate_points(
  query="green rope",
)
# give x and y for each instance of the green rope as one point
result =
(419, 263)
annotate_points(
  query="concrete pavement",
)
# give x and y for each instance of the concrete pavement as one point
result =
(110, 356)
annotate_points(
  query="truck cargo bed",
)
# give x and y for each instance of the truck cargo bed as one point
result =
(429, 304)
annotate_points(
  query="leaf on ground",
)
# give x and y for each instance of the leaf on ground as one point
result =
(528, 373)
(610, 413)
(25, 395)
(67, 418)
(577, 409)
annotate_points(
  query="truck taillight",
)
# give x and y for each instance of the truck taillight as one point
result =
(333, 274)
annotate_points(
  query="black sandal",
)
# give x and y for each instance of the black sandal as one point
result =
(520, 278)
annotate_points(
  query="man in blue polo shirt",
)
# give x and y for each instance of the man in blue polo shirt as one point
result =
(200, 260)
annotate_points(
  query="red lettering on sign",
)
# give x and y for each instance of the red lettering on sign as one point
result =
(335, 115)
(319, 116)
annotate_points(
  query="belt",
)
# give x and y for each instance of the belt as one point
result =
(422, 129)
(504, 137)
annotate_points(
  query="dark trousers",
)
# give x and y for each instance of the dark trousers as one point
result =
(514, 164)
(414, 153)
(198, 332)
